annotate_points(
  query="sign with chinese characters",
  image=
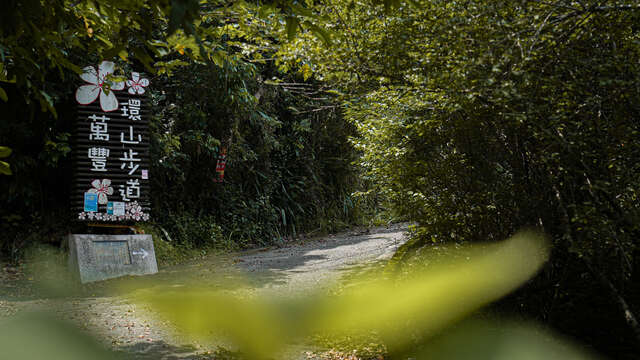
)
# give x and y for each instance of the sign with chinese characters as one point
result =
(111, 147)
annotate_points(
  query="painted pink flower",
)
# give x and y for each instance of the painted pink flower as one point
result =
(103, 189)
(137, 85)
(86, 94)
(134, 211)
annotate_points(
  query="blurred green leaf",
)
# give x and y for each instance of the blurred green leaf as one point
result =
(41, 336)
(321, 33)
(292, 24)
(5, 151)
(426, 302)
(5, 168)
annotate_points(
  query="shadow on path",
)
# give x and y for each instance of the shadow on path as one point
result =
(160, 350)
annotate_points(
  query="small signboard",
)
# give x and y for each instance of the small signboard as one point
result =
(119, 208)
(98, 257)
(90, 202)
(111, 147)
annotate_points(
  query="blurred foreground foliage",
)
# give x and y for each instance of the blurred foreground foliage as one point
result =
(412, 313)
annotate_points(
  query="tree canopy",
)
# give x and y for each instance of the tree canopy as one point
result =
(477, 118)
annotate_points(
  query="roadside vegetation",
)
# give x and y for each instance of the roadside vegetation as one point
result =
(290, 165)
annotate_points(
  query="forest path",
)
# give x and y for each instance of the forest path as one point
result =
(105, 309)
(317, 263)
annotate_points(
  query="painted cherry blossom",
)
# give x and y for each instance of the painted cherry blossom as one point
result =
(102, 188)
(86, 94)
(137, 85)
(134, 211)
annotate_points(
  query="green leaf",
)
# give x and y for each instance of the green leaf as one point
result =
(5, 168)
(218, 58)
(425, 302)
(63, 340)
(292, 27)
(300, 10)
(5, 151)
(47, 103)
(306, 71)
(3, 95)
(158, 43)
(272, 82)
(105, 40)
(321, 33)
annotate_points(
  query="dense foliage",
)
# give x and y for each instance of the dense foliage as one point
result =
(213, 88)
(477, 118)
(289, 167)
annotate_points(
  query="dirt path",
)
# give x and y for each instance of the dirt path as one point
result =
(318, 262)
(293, 268)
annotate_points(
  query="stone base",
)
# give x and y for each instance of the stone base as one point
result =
(101, 257)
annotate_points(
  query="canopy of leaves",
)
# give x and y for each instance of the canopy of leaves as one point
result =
(479, 117)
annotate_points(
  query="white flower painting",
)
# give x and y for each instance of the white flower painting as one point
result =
(136, 84)
(134, 212)
(103, 189)
(99, 86)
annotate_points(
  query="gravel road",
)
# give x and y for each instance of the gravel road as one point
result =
(320, 261)
(293, 268)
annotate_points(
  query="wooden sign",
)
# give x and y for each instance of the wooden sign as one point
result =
(111, 148)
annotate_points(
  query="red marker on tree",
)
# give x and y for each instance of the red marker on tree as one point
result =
(222, 163)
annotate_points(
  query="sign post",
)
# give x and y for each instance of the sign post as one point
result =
(111, 158)
(111, 152)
